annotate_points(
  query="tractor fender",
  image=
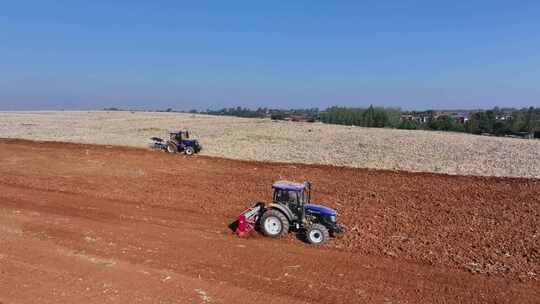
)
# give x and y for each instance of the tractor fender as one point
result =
(283, 209)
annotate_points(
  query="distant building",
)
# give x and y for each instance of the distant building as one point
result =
(461, 118)
(504, 116)
(421, 117)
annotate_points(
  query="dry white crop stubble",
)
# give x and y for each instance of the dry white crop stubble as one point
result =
(266, 140)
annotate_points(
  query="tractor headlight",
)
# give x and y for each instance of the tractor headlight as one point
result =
(333, 218)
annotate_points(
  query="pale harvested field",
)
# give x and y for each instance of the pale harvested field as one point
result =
(257, 139)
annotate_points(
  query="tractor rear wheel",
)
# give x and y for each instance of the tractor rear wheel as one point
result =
(189, 150)
(274, 223)
(172, 148)
(317, 234)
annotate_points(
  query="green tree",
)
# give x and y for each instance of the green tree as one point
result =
(407, 124)
(532, 120)
(500, 128)
(442, 123)
(518, 122)
(393, 117)
(368, 117)
(473, 124)
(277, 116)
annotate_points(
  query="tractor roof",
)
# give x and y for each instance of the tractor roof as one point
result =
(290, 186)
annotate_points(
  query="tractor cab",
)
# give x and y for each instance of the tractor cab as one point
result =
(179, 136)
(289, 193)
(297, 197)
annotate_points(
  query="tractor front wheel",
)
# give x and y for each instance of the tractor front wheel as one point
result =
(189, 150)
(274, 223)
(317, 234)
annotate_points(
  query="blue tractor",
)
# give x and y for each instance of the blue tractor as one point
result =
(178, 142)
(291, 210)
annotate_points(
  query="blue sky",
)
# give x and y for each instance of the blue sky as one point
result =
(212, 54)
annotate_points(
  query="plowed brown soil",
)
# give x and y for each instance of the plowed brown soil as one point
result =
(100, 224)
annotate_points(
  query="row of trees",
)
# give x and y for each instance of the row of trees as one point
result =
(239, 112)
(491, 121)
(311, 114)
(497, 121)
(380, 117)
(429, 120)
(377, 117)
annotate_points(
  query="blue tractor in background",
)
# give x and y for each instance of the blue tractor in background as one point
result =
(178, 142)
(291, 209)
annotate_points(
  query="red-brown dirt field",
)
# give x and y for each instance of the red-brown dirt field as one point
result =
(101, 224)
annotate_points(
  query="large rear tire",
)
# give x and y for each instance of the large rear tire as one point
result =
(172, 148)
(317, 234)
(274, 224)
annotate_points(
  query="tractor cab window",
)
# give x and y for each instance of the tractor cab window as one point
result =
(302, 197)
(280, 196)
(288, 197)
(176, 136)
(292, 197)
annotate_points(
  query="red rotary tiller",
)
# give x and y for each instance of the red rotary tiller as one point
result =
(248, 219)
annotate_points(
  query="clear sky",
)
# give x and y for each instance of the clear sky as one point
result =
(303, 53)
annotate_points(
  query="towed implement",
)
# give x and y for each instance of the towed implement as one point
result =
(291, 210)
